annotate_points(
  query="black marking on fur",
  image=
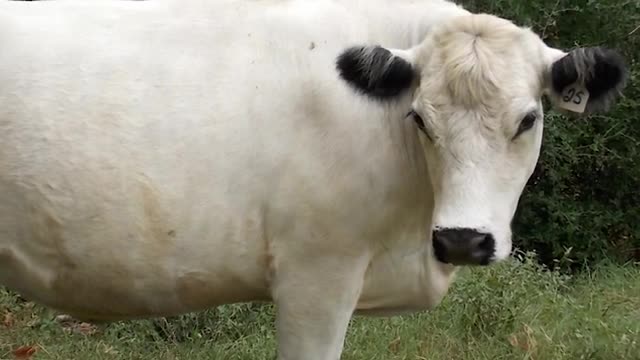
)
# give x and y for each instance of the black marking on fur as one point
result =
(375, 71)
(602, 71)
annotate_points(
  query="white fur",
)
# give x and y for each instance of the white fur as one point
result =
(159, 157)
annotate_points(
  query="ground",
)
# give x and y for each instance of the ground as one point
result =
(515, 310)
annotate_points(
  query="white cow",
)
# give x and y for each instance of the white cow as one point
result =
(159, 157)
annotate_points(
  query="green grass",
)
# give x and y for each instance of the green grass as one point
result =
(515, 310)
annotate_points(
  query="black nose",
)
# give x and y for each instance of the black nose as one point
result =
(463, 246)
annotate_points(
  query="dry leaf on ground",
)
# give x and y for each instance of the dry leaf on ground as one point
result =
(24, 352)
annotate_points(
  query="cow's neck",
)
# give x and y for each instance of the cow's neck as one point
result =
(403, 275)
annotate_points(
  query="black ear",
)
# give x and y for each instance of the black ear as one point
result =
(375, 71)
(602, 72)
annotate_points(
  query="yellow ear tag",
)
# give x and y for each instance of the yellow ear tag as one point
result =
(574, 98)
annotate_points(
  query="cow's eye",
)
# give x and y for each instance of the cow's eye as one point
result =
(526, 123)
(418, 120)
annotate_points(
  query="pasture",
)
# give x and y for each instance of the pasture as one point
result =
(515, 310)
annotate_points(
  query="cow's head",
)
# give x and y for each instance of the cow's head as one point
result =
(476, 84)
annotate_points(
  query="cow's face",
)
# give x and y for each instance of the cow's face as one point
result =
(477, 85)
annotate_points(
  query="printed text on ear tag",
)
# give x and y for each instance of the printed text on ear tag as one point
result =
(574, 98)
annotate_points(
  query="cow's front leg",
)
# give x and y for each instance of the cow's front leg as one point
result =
(315, 298)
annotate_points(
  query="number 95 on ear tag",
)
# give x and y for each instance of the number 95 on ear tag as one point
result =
(574, 98)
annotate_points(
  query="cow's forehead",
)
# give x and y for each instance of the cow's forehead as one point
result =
(482, 61)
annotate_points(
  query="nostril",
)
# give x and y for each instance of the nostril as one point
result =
(439, 246)
(484, 249)
(487, 243)
(439, 238)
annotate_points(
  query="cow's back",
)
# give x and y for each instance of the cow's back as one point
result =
(148, 160)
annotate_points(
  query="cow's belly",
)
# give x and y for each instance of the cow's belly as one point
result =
(123, 257)
(132, 185)
(107, 290)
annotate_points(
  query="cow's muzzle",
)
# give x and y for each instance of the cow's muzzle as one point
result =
(461, 246)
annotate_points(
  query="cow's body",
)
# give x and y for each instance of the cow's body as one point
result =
(158, 158)
(152, 166)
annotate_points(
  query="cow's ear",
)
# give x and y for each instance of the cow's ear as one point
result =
(376, 71)
(587, 80)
